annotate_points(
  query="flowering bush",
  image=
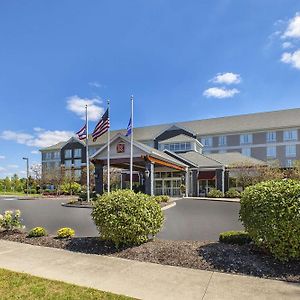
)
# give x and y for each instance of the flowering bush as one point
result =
(11, 220)
(65, 232)
(37, 232)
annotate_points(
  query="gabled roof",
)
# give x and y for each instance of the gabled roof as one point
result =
(179, 138)
(288, 118)
(147, 149)
(232, 158)
(200, 160)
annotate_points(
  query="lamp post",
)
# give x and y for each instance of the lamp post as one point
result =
(27, 167)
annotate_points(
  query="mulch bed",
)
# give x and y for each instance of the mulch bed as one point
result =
(212, 256)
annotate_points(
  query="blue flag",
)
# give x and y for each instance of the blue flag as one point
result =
(129, 128)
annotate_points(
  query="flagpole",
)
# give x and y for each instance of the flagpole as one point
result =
(87, 155)
(108, 150)
(131, 144)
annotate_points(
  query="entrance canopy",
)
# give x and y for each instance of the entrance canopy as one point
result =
(120, 155)
(146, 161)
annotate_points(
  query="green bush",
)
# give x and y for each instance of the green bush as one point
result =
(11, 220)
(37, 232)
(83, 196)
(70, 188)
(214, 193)
(232, 193)
(127, 218)
(270, 212)
(235, 237)
(65, 232)
(161, 198)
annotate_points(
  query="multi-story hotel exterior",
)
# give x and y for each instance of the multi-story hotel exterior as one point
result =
(211, 143)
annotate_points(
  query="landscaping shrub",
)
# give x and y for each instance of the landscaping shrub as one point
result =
(72, 188)
(83, 196)
(270, 212)
(234, 237)
(232, 193)
(161, 198)
(214, 193)
(37, 232)
(11, 220)
(127, 218)
(65, 232)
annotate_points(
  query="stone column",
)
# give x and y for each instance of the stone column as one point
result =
(194, 183)
(219, 175)
(149, 178)
(98, 178)
(226, 179)
(187, 182)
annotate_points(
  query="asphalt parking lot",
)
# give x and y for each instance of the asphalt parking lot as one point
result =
(188, 220)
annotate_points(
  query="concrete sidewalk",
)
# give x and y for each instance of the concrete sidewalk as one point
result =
(138, 279)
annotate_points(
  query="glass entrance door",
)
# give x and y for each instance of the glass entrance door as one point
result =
(168, 186)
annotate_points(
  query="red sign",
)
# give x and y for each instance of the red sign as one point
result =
(120, 148)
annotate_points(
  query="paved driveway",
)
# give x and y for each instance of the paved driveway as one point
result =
(188, 220)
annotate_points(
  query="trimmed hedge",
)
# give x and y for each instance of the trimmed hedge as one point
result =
(235, 237)
(270, 212)
(214, 193)
(65, 232)
(127, 218)
(37, 232)
(161, 198)
(232, 193)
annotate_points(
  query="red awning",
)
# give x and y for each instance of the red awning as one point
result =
(207, 175)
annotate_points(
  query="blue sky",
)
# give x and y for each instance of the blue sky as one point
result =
(182, 60)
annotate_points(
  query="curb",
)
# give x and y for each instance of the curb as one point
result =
(76, 206)
(215, 199)
(168, 206)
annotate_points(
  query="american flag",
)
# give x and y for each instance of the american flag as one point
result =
(102, 126)
(82, 133)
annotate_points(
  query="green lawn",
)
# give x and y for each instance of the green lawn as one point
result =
(22, 286)
(19, 194)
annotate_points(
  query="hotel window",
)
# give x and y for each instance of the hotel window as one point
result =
(246, 151)
(77, 174)
(48, 155)
(271, 136)
(68, 153)
(188, 146)
(271, 152)
(290, 150)
(246, 138)
(222, 140)
(290, 135)
(206, 141)
(77, 162)
(289, 163)
(68, 163)
(77, 152)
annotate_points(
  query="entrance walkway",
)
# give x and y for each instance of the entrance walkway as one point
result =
(138, 279)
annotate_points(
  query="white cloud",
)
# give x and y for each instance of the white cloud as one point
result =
(2, 157)
(287, 45)
(35, 152)
(96, 84)
(2, 169)
(216, 92)
(292, 58)
(293, 28)
(42, 138)
(227, 78)
(77, 105)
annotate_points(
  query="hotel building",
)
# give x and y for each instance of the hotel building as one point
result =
(198, 153)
